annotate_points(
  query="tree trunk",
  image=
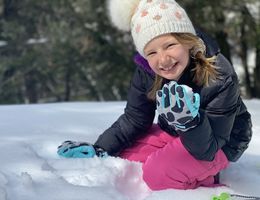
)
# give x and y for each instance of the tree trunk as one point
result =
(256, 91)
(31, 87)
(222, 38)
(67, 84)
(244, 57)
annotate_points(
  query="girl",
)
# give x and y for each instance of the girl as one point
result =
(202, 121)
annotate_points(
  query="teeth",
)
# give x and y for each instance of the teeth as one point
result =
(168, 68)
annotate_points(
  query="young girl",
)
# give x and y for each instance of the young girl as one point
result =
(202, 121)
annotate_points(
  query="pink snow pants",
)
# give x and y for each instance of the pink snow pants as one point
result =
(167, 164)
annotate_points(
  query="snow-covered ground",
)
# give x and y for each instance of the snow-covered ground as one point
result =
(30, 169)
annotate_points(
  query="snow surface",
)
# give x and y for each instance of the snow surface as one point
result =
(30, 169)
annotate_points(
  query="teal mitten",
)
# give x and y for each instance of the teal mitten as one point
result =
(73, 149)
(178, 105)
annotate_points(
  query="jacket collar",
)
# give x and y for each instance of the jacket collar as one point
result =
(142, 62)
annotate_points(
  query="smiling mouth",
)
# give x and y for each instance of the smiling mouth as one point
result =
(168, 68)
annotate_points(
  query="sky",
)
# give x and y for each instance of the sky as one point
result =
(30, 168)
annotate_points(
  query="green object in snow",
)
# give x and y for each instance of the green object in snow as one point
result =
(222, 196)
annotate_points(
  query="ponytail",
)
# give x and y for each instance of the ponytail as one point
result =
(205, 70)
(157, 85)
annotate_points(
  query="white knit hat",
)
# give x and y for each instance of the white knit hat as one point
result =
(148, 19)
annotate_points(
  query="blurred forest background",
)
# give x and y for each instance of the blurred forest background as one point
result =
(61, 50)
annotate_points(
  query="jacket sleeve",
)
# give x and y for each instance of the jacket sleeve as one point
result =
(137, 118)
(216, 122)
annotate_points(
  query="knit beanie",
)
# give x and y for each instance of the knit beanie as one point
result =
(147, 19)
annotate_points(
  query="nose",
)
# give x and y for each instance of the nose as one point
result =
(164, 59)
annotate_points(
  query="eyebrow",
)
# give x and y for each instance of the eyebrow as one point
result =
(170, 41)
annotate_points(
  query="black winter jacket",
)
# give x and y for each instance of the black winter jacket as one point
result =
(224, 120)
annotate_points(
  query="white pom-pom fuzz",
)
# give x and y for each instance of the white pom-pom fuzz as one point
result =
(121, 12)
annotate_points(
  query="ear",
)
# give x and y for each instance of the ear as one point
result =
(189, 46)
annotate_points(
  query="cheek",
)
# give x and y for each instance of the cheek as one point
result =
(186, 60)
(184, 57)
(152, 64)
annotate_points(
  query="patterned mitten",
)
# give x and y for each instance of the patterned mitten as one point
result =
(72, 149)
(178, 105)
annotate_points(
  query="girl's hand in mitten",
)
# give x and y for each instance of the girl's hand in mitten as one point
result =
(72, 149)
(178, 105)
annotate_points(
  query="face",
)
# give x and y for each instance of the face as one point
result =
(167, 57)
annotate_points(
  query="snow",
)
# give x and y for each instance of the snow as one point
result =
(30, 169)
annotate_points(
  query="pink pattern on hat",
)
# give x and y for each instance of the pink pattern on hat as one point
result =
(163, 6)
(157, 17)
(137, 28)
(178, 14)
(144, 13)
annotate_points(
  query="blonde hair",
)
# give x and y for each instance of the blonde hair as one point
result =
(204, 70)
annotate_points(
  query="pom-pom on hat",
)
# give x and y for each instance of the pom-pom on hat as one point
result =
(121, 12)
(148, 19)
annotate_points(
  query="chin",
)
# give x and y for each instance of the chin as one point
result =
(170, 77)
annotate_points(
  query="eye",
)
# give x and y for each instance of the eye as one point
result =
(170, 45)
(150, 53)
